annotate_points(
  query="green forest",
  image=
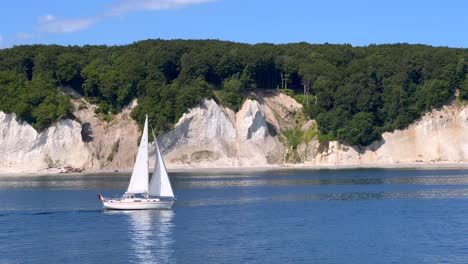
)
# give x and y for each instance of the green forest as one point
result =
(354, 93)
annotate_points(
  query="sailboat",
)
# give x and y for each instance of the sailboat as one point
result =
(141, 193)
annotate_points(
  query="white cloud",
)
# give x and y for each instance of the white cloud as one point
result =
(46, 18)
(50, 24)
(126, 6)
(1, 41)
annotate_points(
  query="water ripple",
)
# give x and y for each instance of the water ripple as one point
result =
(347, 196)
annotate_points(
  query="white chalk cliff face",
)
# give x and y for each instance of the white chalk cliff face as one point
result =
(255, 145)
(441, 136)
(86, 143)
(203, 136)
(23, 149)
(211, 136)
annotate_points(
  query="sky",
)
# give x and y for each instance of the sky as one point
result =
(117, 22)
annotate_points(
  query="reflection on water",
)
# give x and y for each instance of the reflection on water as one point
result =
(150, 232)
(221, 182)
(66, 181)
(247, 179)
(346, 196)
(120, 182)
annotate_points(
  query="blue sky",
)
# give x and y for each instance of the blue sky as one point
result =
(359, 22)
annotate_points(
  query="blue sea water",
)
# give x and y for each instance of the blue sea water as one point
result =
(322, 216)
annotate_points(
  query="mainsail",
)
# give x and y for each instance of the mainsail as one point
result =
(139, 180)
(160, 184)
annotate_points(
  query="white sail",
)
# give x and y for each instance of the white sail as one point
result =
(160, 184)
(139, 180)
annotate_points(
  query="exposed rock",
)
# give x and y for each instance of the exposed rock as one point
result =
(23, 149)
(69, 146)
(308, 125)
(204, 136)
(279, 109)
(256, 147)
(211, 136)
(439, 136)
(251, 123)
(112, 145)
(308, 151)
(70, 169)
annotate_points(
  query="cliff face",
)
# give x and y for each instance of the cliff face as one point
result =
(211, 136)
(440, 136)
(23, 149)
(87, 143)
(203, 135)
(111, 145)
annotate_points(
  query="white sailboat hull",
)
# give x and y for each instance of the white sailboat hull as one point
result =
(137, 204)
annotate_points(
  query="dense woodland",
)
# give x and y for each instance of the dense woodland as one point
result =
(354, 93)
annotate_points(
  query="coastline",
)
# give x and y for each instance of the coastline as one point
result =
(287, 167)
(302, 167)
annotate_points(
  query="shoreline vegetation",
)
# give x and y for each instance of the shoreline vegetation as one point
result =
(273, 168)
(355, 94)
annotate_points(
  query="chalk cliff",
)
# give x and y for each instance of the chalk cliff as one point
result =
(440, 136)
(212, 136)
(23, 149)
(86, 143)
(205, 136)
(112, 145)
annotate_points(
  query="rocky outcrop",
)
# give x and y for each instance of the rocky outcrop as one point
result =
(205, 136)
(23, 149)
(440, 136)
(86, 143)
(256, 146)
(210, 136)
(279, 110)
(112, 144)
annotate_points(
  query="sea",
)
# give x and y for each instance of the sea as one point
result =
(272, 216)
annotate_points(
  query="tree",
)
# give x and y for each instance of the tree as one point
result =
(190, 95)
(464, 88)
(91, 75)
(68, 70)
(45, 63)
(306, 73)
(233, 93)
(433, 93)
(360, 130)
